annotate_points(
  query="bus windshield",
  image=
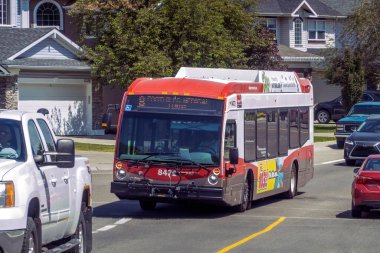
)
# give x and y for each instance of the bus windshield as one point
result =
(189, 137)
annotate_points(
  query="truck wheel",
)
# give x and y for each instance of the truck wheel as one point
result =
(293, 188)
(80, 235)
(31, 240)
(323, 116)
(147, 205)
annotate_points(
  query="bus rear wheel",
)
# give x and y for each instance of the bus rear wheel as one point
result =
(293, 188)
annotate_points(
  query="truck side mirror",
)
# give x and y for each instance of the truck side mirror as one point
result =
(65, 153)
(234, 155)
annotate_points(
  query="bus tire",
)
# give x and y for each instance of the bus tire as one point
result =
(147, 205)
(245, 198)
(293, 185)
(31, 239)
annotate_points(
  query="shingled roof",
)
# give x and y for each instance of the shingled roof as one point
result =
(346, 7)
(16, 40)
(287, 7)
(13, 40)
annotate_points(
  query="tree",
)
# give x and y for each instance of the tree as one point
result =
(362, 33)
(345, 69)
(156, 38)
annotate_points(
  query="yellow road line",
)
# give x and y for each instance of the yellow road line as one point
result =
(267, 229)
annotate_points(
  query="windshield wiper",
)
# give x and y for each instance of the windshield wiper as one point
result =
(182, 160)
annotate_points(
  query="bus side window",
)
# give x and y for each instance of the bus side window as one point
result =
(249, 136)
(284, 132)
(304, 125)
(261, 133)
(229, 139)
(294, 128)
(272, 118)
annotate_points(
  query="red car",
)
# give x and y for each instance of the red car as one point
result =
(366, 186)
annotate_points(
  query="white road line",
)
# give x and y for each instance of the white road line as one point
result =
(105, 228)
(108, 227)
(122, 221)
(330, 162)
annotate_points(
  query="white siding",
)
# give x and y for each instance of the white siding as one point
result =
(283, 31)
(292, 36)
(329, 33)
(48, 49)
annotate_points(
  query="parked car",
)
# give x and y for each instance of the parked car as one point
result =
(363, 142)
(110, 118)
(356, 116)
(333, 110)
(366, 186)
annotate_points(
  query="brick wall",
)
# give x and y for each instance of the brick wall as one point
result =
(8, 92)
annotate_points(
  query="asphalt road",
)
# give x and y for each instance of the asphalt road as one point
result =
(317, 220)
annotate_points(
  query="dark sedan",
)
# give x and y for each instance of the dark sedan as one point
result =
(363, 142)
(333, 110)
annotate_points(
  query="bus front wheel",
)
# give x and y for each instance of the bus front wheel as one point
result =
(245, 198)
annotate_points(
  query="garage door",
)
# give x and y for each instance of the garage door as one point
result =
(66, 105)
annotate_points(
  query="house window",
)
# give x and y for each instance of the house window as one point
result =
(48, 13)
(272, 26)
(298, 32)
(4, 12)
(317, 30)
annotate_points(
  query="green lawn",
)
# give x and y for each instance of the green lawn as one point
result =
(323, 138)
(324, 128)
(93, 147)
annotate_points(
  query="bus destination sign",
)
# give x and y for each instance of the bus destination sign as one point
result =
(174, 104)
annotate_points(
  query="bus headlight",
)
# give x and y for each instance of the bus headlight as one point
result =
(213, 179)
(7, 194)
(121, 173)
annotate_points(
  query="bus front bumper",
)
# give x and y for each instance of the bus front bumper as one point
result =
(142, 190)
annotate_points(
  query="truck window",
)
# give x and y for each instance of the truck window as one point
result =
(47, 134)
(35, 139)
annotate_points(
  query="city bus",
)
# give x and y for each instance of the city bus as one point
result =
(220, 136)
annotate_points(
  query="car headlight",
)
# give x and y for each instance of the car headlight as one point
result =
(339, 127)
(7, 194)
(349, 142)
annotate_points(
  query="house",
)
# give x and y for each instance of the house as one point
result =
(302, 30)
(41, 66)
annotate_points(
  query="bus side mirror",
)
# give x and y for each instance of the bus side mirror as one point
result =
(234, 156)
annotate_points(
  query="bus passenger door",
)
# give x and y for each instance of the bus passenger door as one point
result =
(234, 175)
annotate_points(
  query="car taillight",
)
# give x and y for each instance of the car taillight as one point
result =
(364, 180)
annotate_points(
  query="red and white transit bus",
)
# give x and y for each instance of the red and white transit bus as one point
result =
(222, 136)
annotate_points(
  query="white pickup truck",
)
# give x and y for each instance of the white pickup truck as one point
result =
(45, 190)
